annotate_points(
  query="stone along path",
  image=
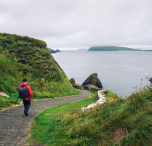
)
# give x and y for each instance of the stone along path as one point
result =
(14, 125)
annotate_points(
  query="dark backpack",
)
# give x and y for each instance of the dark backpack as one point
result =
(23, 94)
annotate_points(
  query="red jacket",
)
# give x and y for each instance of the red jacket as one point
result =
(28, 90)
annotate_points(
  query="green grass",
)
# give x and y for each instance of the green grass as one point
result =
(53, 116)
(92, 86)
(25, 57)
(7, 102)
(118, 122)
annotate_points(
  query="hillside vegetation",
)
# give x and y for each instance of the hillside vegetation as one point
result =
(111, 48)
(24, 57)
(118, 122)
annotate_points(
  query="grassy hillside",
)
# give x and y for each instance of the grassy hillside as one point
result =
(24, 57)
(41, 133)
(111, 48)
(118, 122)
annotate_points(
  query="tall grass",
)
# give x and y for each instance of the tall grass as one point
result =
(118, 122)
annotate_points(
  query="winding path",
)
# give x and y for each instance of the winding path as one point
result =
(14, 125)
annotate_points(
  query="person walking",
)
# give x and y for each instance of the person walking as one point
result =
(25, 93)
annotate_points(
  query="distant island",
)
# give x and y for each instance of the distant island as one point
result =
(111, 48)
(82, 50)
(54, 51)
(146, 50)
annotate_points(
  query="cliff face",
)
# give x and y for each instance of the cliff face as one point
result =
(22, 56)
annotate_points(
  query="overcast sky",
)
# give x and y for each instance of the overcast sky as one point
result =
(73, 24)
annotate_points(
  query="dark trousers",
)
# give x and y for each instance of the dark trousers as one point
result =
(27, 104)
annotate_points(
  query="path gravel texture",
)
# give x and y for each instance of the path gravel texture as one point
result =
(14, 125)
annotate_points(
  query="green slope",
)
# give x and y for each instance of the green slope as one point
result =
(118, 122)
(24, 57)
(111, 48)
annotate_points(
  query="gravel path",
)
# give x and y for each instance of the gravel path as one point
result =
(14, 125)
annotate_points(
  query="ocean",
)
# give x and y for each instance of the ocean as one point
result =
(122, 72)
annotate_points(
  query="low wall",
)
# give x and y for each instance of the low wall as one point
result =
(101, 100)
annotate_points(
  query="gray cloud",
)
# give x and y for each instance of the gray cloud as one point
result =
(80, 23)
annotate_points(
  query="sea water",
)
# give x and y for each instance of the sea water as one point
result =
(123, 72)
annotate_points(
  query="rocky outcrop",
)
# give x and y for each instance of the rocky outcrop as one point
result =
(101, 100)
(54, 51)
(72, 81)
(150, 80)
(93, 80)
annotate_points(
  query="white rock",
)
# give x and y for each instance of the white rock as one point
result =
(102, 99)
